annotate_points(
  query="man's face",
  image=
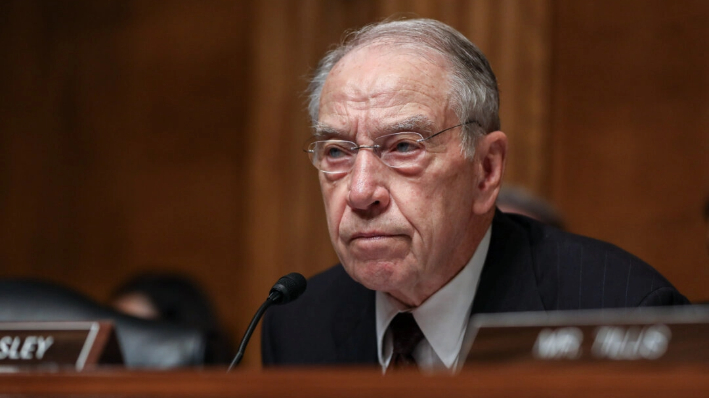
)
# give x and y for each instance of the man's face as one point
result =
(406, 231)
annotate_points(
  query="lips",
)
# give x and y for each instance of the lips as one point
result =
(373, 235)
(369, 235)
(356, 231)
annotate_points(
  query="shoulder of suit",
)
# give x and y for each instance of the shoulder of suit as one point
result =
(540, 234)
(330, 284)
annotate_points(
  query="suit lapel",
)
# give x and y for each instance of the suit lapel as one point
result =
(354, 329)
(507, 282)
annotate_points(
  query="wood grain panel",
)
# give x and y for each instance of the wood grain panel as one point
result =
(630, 122)
(547, 380)
(121, 141)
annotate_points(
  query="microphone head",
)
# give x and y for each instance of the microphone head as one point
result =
(288, 288)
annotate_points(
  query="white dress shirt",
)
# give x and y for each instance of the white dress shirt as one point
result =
(443, 318)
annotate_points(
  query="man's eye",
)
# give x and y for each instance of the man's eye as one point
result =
(336, 150)
(405, 146)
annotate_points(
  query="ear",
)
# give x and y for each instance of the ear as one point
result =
(491, 154)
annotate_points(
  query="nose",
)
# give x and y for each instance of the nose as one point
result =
(367, 186)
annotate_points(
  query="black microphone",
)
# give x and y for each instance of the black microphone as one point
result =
(287, 289)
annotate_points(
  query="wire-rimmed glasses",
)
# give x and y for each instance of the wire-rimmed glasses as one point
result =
(395, 150)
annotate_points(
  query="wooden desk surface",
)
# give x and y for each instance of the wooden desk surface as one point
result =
(523, 380)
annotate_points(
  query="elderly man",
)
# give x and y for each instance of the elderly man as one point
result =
(410, 156)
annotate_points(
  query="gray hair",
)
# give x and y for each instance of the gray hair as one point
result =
(474, 88)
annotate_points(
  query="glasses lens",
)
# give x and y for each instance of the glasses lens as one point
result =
(333, 156)
(401, 149)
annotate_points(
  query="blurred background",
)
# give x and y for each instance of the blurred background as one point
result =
(166, 135)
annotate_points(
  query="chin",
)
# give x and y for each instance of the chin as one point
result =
(382, 276)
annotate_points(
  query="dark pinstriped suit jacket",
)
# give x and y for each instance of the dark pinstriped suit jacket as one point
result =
(529, 267)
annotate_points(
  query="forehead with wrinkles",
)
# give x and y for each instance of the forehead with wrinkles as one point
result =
(392, 81)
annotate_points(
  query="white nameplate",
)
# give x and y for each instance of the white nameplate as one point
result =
(642, 334)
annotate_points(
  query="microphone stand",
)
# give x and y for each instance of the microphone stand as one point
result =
(273, 297)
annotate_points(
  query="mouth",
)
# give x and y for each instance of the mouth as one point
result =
(372, 236)
(377, 246)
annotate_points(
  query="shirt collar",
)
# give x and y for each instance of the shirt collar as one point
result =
(443, 317)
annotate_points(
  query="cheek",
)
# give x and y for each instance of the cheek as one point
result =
(415, 202)
(438, 207)
(421, 205)
(334, 198)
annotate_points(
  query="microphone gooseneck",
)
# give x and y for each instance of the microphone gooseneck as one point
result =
(287, 289)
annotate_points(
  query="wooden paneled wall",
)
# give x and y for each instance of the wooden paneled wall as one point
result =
(167, 134)
(630, 129)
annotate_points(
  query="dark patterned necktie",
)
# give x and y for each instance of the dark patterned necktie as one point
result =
(406, 336)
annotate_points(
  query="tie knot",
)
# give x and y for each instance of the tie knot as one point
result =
(406, 335)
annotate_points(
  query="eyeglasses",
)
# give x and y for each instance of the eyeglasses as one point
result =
(395, 150)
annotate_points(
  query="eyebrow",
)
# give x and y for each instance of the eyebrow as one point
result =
(321, 131)
(416, 123)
